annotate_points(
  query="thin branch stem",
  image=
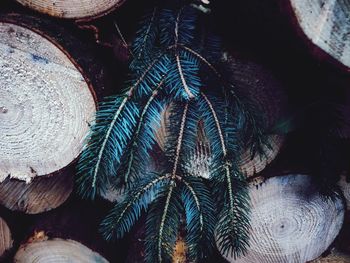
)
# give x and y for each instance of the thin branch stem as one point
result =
(217, 123)
(179, 140)
(122, 38)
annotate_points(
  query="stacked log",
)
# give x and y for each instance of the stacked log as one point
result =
(6, 241)
(56, 251)
(326, 25)
(46, 106)
(41, 195)
(289, 218)
(73, 9)
(47, 102)
(67, 234)
(269, 98)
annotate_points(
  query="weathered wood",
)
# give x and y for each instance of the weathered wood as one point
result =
(326, 24)
(253, 166)
(6, 241)
(73, 9)
(56, 251)
(268, 95)
(334, 257)
(40, 195)
(180, 250)
(290, 221)
(77, 220)
(46, 97)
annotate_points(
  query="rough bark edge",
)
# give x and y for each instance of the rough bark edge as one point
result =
(317, 52)
(80, 54)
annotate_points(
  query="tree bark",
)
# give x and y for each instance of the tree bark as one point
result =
(290, 221)
(73, 9)
(326, 25)
(47, 100)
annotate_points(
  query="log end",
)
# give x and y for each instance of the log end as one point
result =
(6, 241)
(289, 218)
(56, 251)
(46, 104)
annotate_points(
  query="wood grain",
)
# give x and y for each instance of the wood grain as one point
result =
(57, 251)
(46, 105)
(40, 195)
(6, 241)
(326, 23)
(290, 221)
(73, 9)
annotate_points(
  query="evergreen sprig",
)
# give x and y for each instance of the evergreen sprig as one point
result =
(176, 64)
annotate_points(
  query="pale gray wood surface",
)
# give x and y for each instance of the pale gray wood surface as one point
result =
(327, 24)
(57, 251)
(290, 221)
(46, 105)
(74, 9)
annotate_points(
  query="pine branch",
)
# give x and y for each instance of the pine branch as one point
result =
(252, 121)
(149, 75)
(109, 136)
(124, 215)
(144, 136)
(234, 219)
(183, 77)
(181, 132)
(200, 218)
(162, 225)
(178, 27)
(122, 38)
(202, 59)
(146, 36)
(168, 69)
(229, 185)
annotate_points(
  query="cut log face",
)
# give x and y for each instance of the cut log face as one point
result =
(269, 97)
(5, 237)
(41, 195)
(251, 166)
(46, 105)
(290, 221)
(326, 24)
(57, 251)
(73, 9)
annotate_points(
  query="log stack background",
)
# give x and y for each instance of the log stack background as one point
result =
(307, 55)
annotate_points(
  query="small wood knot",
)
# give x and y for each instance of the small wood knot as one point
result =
(3, 110)
(38, 237)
